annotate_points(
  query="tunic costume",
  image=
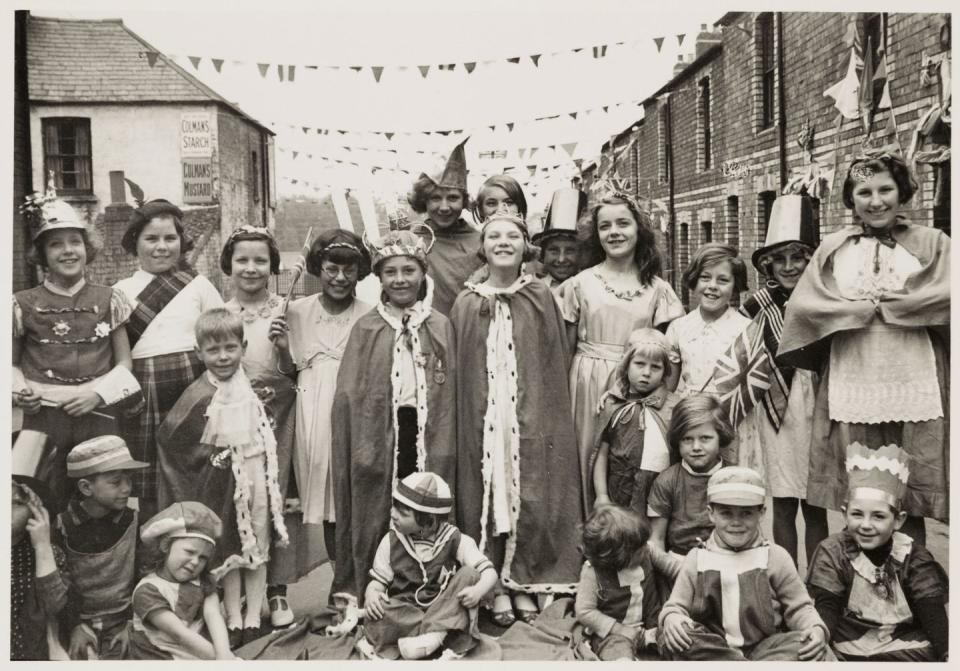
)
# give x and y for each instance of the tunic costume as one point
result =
(422, 580)
(878, 623)
(604, 323)
(517, 470)
(279, 395)
(783, 457)
(365, 442)
(875, 320)
(636, 431)
(184, 599)
(452, 259)
(67, 347)
(680, 495)
(192, 466)
(630, 596)
(746, 604)
(164, 359)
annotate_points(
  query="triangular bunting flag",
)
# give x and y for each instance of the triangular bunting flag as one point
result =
(509, 126)
(377, 71)
(293, 181)
(536, 59)
(492, 128)
(469, 67)
(290, 71)
(569, 147)
(845, 92)
(295, 154)
(356, 68)
(195, 61)
(578, 50)
(680, 39)
(521, 152)
(514, 60)
(263, 68)
(881, 83)
(605, 108)
(217, 63)
(442, 132)
(152, 58)
(311, 67)
(600, 52)
(309, 155)
(389, 136)
(532, 169)
(280, 72)
(342, 132)
(305, 130)
(552, 147)
(424, 69)
(659, 43)
(573, 115)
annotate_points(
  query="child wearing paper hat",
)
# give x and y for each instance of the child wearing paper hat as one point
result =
(427, 578)
(176, 610)
(881, 593)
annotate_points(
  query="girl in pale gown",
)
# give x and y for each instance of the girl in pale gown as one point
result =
(619, 292)
(317, 328)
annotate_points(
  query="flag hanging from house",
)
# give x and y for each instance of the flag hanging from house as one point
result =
(746, 376)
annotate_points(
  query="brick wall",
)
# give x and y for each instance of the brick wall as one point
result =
(23, 274)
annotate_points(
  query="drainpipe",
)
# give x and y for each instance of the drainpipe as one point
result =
(782, 106)
(670, 191)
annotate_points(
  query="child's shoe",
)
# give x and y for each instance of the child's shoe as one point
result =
(418, 647)
(365, 648)
(449, 654)
(253, 633)
(280, 613)
(235, 637)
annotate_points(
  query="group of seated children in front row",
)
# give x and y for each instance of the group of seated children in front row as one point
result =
(703, 583)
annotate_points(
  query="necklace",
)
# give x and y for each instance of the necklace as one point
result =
(621, 294)
(261, 311)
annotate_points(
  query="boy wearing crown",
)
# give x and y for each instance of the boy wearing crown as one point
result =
(882, 594)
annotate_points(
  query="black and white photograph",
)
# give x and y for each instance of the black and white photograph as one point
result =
(499, 331)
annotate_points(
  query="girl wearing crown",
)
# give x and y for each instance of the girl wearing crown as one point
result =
(394, 404)
(70, 355)
(168, 296)
(619, 291)
(872, 312)
(517, 484)
(881, 594)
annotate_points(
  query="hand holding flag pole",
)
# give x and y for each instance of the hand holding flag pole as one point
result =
(298, 269)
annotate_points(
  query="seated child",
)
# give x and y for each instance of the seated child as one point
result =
(677, 503)
(880, 592)
(176, 610)
(739, 597)
(216, 447)
(99, 534)
(39, 578)
(632, 447)
(428, 578)
(618, 600)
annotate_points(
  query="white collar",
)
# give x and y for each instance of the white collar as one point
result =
(60, 291)
(716, 467)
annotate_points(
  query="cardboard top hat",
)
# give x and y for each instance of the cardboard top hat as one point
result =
(454, 173)
(565, 209)
(790, 221)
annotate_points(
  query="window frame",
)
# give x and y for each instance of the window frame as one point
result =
(703, 115)
(767, 66)
(83, 160)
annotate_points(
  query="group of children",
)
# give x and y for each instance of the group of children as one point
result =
(449, 445)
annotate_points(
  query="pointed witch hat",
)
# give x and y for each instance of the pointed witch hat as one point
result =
(454, 173)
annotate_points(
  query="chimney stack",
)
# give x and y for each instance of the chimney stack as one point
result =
(118, 188)
(706, 39)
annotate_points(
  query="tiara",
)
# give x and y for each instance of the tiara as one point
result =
(32, 207)
(614, 187)
(247, 229)
(342, 245)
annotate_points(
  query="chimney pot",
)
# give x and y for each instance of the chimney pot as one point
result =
(118, 188)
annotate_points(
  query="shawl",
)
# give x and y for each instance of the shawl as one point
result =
(817, 310)
(154, 298)
(363, 458)
(615, 404)
(545, 558)
(451, 261)
(192, 467)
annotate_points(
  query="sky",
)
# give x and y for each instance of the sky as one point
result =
(424, 32)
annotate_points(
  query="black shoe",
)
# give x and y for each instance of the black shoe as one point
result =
(253, 633)
(235, 636)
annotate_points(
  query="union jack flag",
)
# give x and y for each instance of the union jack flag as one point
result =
(745, 374)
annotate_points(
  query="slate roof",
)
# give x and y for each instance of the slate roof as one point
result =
(103, 61)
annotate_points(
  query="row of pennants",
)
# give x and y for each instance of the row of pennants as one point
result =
(339, 188)
(287, 73)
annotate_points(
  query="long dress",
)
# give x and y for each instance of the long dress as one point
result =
(364, 447)
(317, 342)
(279, 394)
(875, 319)
(604, 322)
(516, 454)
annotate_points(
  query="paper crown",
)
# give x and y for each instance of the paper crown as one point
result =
(454, 173)
(504, 214)
(566, 207)
(878, 475)
(46, 212)
(426, 492)
(400, 243)
(186, 519)
(736, 486)
(791, 220)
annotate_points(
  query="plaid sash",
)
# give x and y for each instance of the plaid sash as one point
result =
(153, 299)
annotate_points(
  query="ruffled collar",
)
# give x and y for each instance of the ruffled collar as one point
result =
(60, 291)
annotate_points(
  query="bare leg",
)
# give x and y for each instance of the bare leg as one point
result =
(255, 586)
(231, 599)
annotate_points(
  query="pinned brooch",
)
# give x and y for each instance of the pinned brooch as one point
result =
(439, 376)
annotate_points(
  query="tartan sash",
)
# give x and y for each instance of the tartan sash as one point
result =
(153, 299)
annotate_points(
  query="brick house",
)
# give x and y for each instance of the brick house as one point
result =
(746, 114)
(105, 104)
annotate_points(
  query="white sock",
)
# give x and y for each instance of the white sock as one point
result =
(418, 647)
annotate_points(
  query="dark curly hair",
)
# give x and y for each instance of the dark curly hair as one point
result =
(906, 185)
(136, 226)
(612, 535)
(510, 186)
(91, 243)
(321, 251)
(695, 410)
(226, 254)
(420, 193)
(711, 254)
(646, 255)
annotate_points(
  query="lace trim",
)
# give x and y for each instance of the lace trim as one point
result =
(889, 402)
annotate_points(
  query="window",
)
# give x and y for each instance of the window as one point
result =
(764, 209)
(683, 258)
(941, 209)
(703, 121)
(815, 206)
(768, 68)
(706, 232)
(663, 162)
(733, 221)
(66, 153)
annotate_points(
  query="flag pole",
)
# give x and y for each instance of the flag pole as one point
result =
(298, 269)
